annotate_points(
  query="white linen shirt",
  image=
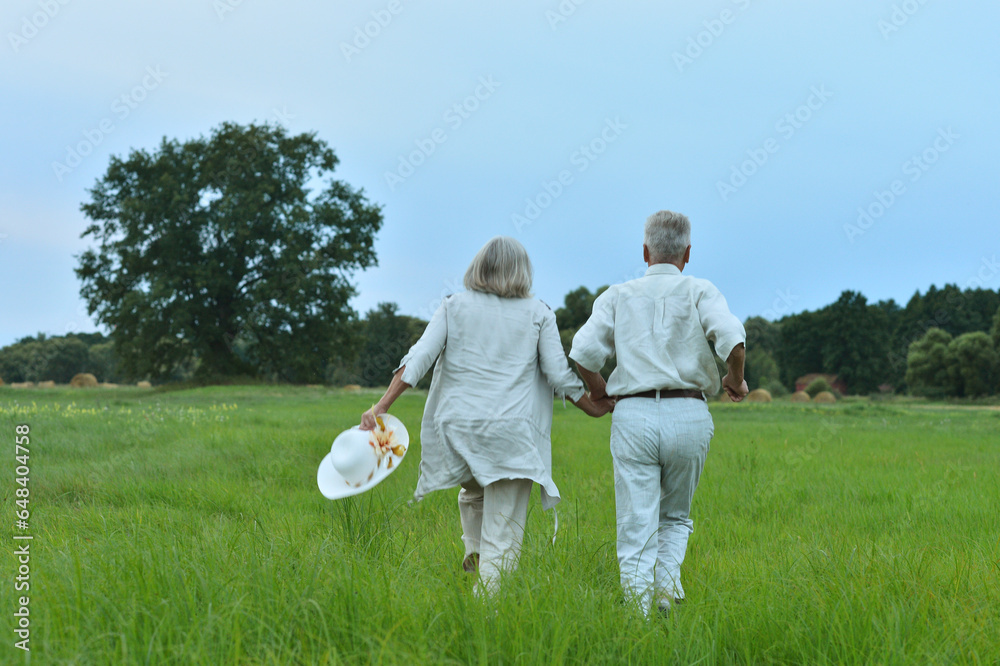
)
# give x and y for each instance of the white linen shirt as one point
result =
(659, 326)
(488, 414)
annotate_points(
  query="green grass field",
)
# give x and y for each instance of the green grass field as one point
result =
(186, 527)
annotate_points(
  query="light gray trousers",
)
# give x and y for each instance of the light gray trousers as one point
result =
(493, 521)
(659, 448)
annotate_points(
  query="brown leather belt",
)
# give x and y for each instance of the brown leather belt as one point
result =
(665, 393)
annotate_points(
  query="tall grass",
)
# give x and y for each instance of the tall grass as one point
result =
(186, 527)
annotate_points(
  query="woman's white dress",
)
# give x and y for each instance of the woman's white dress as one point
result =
(488, 416)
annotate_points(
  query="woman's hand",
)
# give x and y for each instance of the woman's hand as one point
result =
(369, 420)
(396, 388)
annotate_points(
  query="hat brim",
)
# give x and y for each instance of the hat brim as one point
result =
(334, 486)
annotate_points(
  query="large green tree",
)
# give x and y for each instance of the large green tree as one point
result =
(232, 252)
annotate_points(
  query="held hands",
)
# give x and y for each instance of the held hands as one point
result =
(603, 405)
(596, 408)
(736, 390)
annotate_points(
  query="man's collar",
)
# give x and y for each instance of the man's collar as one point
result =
(663, 269)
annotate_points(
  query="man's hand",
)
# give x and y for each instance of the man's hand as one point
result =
(733, 382)
(736, 390)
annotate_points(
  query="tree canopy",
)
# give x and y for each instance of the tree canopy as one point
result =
(232, 254)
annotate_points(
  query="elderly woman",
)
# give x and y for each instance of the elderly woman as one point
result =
(488, 415)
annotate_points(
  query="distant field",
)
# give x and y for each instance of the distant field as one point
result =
(186, 527)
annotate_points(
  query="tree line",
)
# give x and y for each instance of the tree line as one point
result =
(945, 342)
(942, 343)
(42, 358)
(371, 347)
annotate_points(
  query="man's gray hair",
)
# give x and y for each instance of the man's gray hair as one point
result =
(667, 235)
(501, 267)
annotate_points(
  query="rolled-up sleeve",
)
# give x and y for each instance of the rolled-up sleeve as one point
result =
(594, 343)
(553, 362)
(721, 326)
(425, 351)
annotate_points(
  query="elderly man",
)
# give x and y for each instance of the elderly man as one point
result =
(659, 327)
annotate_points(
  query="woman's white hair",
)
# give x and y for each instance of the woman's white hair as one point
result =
(667, 235)
(501, 267)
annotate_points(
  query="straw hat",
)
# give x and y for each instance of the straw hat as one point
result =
(361, 459)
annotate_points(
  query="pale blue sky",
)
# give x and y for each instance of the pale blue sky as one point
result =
(662, 132)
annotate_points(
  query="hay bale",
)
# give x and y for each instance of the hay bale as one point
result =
(825, 396)
(83, 380)
(352, 388)
(48, 384)
(21, 385)
(144, 384)
(759, 395)
(800, 396)
(107, 385)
